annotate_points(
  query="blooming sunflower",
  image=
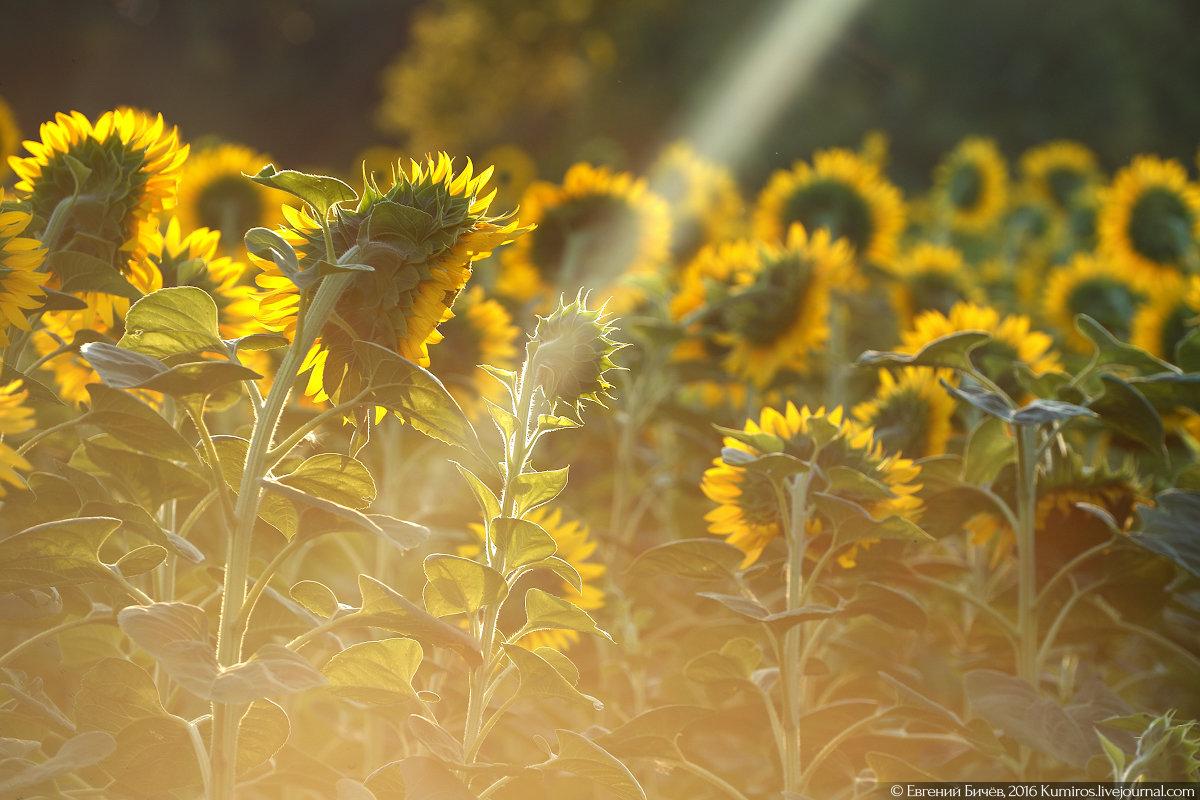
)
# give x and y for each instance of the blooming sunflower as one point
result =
(972, 184)
(910, 415)
(419, 266)
(593, 229)
(1150, 216)
(706, 205)
(1096, 287)
(1013, 339)
(1055, 172)
(748, 513)
(931, 276)
(14, 418)
(130, 167)
(192, 260)
(20, 281)
(480, 332)
(215, 193)
(10, 136)
(778, 314)
(1168, 315)
(842, 193)
(575, 546)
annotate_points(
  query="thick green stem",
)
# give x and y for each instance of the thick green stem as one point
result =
(1027, 594)
(794, 509)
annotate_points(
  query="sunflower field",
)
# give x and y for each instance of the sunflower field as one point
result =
(517, 453)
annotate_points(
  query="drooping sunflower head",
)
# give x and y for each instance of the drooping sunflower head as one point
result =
(932, 276)
(777, 315)
(480, 332)
(571, 355)
(706, 205)
(971, 183)
(10, 136)
(192, 260)
(1013, 339)
(1150, 216)
(748, 513)
(911, 414)
(14, 418)
(595, 228)
(1057, 171)
(1096, 287)
(1168, 315)
(214, 193)
(20, 279)
(841, 193)
(420, 236)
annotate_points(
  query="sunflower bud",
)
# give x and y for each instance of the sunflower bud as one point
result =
(569, 355)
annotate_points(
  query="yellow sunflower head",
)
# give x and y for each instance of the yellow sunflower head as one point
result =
(1169, 314)
(20, 281)
(706, 205)
(972, 184)
(10, 136)
(776, 317)
(420, 236)
(748, 513)
(841, 193)
(1096, 287)
(932, 276)
(1149, 218)
(192, 260)
(1013, 339)
(95, 191)
(593, 230)
(15, 418)
(701, 289)
(911, 414)
(480, 332)
(1055, 172)
(575, 546)
(214, 193)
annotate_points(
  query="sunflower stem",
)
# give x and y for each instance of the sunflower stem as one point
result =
(237, 564)
(1027, 595)
(793, 500)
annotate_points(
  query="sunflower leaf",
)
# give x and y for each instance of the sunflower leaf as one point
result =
(989, 448)
(316, 597)
(56, 554)
(952, 351)
(1169, 528)
(532, 489)
(257, 341)
(337, 478)
(580, 756)
(521, 542)
(697, 559)
(82, 750)
(1110, 350)
(540, 679)
(195, 378)
(120, 367)
(988, 402)
(171, 322)
(319, 191)
(269, 245)
(1017, 708)
(652, 734)
(544, 612)
(384, 607)
(1125, 410)
(1165, 391)
(80, 272)
(377, 673)
(459, 585)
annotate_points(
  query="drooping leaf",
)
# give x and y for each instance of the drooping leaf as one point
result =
(696, 559)
(1167, 528)
(488, 502)
(270, 246)
(80, 272)
(1168, 391)
(81, 750)
(1039, 412)
(559, 567)
(733, 664)
(383, 607)
(330, 516)
(199, 378)
(135, 424)
(459, 585)
(173, 321)
(584, 758)
(540, 679)
(146, 479)
(894, 606)
(319, 191)
(119, 367)
(952, 351)
(779, 621)
(114, 693)
(1019, 710)
(1124, 410)
(337, 478)
(1110, 350)
(141, 560)
(546, 612)
(989, 448)
(316, 597)
(55, 554)
(272, 671)
(376, 673)
(653, 733)
(262, 732)
(988, 402)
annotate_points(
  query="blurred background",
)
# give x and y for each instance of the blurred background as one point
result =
(315, 83)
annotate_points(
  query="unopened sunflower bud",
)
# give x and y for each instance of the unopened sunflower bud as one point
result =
(570, 355)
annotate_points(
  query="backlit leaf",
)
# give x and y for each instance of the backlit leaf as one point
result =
(546, 612)
(697, 559)
(114, 693)
(582, 757)
(532, 489)
(488, 502)
(319, 191)
(173, 321)
(336, 478)
(652, 733)
(376, 673)
(82, 750)
(262, 732)
(55, 554)
(521, 542)
(1123, 409)
(539, 679)
(1019, 710)
(316, 597)
(135, 424)
(953, 351)
(141, 560)
(384, 607)
(459, 585)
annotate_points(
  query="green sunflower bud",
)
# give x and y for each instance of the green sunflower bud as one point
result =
(570, 355)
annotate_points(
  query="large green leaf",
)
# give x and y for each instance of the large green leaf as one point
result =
(1124, 410)
(1168, 528)
(376, 673)
(989, 448)
(120, 368)
(488, 502)
(697, 559)
(154, 756)
(653, 733)
(1110, 350)
(460, 586)
(532, 489)
(540, 679)
(171, 322)
(584, 758)
(336, 478)
(521, 542)
(1019, 710)
(56, 554)
(144, 478)
(80, 751)
(546, 612)
(384, 607)
(952, 351)
(262, 733)
(135, 424)
(319, 191)
(80, 272)
(1166, 392)
(114, 693)
(199, 378)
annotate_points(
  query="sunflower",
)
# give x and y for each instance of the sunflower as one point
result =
(215, 193)
(1168, 315)
(575, 546)
(842, 193)
(1150, 216)
(748, 513)
(706, 205)
(10, 136)
(20, 282)
(1013, 339)
(931, 276)
(777, 316)
(1055, 172)
(515, 169)
(971, 183)
(480, 332)
(104, 186)
(704, 284)
(192, 261)
(1096, 287)
(910, 415)
(14, 418)
(419, 267)
(593, 229)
